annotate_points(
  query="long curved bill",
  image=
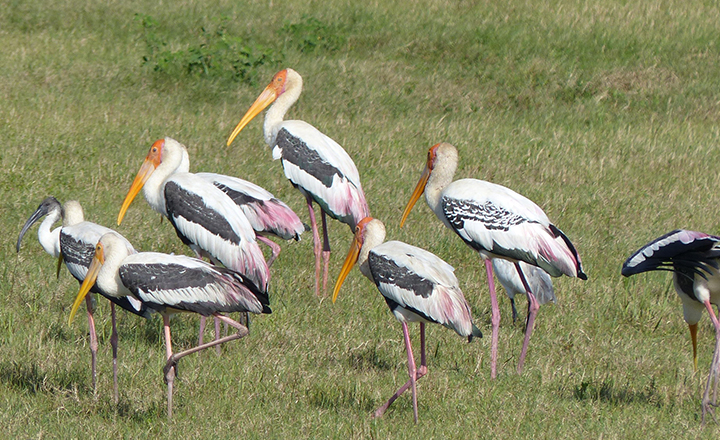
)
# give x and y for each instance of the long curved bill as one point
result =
(146, 170)
(350, 261)
(37, 215)
(266, 98)
(419, 189)
(90, 278)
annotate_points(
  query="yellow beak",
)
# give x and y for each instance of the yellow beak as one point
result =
(146, 170)
(419, 189)
(350, 261)
(266, 98)
(88, 283)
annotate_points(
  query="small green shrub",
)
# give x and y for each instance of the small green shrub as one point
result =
(214, 53)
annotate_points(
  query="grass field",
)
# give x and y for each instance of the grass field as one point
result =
(604, 113)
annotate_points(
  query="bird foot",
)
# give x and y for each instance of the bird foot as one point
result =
(709, 408)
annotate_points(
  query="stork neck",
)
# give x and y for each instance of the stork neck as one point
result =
(108, 279)
(174, 160)
(72, 213)
(276, 113)
(440, 177)
(374, 236)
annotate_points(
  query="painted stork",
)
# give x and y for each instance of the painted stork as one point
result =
(315, 164)
(539, 281)
(267, 215)
(498, 223)
(203, 216)
(417, 286)
(74, 244)
(171, 284)
(694, 259)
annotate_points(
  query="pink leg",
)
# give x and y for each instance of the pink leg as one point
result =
(422, 371)
(316, 244)
(169, 372)
(93, 341)
(495, 319)
(707, 406)
(114, 345)
(202, 329)
(274, 247)
(217, 334)
(414, 374)
(172, 359)
(326, 251)
(533, 307)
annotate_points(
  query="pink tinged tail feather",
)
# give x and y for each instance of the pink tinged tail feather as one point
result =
(253, 265)
(275, 217)
(558, 255)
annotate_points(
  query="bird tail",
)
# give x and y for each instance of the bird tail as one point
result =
(578, 264)
(677, 251)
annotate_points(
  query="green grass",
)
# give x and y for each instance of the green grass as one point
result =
(603, 113)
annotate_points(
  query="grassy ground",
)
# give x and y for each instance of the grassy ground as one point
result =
(604, 113)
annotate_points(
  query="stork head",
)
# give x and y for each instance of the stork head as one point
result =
(284, 80)
(424, 177)
(352, 256)
(48, 205)
(152, 161)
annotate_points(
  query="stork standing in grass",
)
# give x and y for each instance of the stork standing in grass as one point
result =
(416, 285)
(205, 218)
(171, 284)
(498, 223)
(315, 164)
(694, 259)
(74, 243)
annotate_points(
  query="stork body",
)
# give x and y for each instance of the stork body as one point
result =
(267, 215)
(694, 259)
(539, 281)
(417, 287)
(204, 217)
(498, 223)
(314, 163)
(75, 243)
(171, 284)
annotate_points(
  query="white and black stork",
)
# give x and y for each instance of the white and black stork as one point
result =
(498, 223)
(314, 163)
(694, 259)
(203, 216)
(171, 284)
(74, 244)
(417, 287)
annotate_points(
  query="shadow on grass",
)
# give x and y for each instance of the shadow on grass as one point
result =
(606, 391)
(34, 380)
(368, 358)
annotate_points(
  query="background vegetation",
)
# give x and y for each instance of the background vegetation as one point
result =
(604, 113)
